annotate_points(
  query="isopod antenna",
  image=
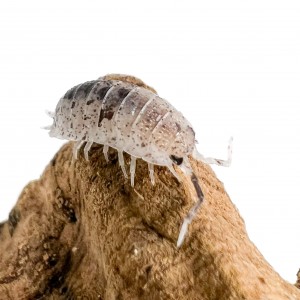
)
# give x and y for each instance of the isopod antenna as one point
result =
(51, 115)
(215, 161)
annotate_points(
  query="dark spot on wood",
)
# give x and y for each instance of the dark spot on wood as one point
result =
(38, 295)
(67, 210)
(52, 261)
(113, 159)
(152, 228)
(123, 190)
(8, 279)
(71, 215)
(13, 220)
(148, 270)
(262, 280)
(55, 281)
(73, 105)
(143, 144)
(93, 178)
(58, 278)
(64, 290)
(177, 160)
(53, 160)
(1, 226)
(119, 296)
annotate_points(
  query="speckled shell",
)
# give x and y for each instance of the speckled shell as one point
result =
(123, 113)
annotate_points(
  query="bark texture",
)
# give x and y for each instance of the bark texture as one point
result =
(82, 232)
(298, 280)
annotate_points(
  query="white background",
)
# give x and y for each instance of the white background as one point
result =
(232, 68)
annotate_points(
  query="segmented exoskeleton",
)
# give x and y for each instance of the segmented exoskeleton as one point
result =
(121, 112)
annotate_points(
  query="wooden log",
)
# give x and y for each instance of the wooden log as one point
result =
(82, 232)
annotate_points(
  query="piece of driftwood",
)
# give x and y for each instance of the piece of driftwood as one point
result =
(82, 232)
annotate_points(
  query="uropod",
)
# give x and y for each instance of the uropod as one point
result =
(122, 112)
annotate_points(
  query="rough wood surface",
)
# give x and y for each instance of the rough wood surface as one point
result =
(82, 232)
(298, 280)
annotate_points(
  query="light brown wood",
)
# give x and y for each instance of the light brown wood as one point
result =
(82, 232)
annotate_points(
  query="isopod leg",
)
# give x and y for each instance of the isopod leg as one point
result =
(192, 212)
(211, 160)
(187, 169)
(151, 173)
(132, 169)
(122, 163)
(105, 152)
(76, 147)
(86, 150)
(171, 168)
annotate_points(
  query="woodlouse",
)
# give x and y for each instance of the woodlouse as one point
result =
(122, 112)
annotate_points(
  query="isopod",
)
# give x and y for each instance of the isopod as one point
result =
(122, 112)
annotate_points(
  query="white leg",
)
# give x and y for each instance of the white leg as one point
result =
(121, 163)
(186, 167)
(132, 169)
(105, 150)
(86, 150)
(193, 211)
(151, 172)
(210, 160)
(76, 147)
(187, 220)
(171, 168)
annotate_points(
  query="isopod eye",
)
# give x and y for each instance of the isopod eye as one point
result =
(177, 160)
